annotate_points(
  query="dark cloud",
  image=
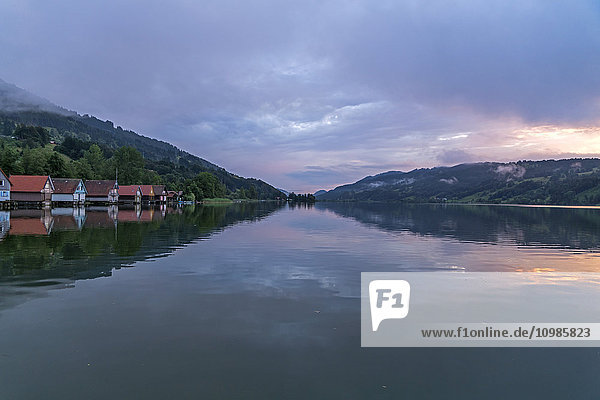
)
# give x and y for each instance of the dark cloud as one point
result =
(455, 156)
(533, 59)
(322, 177)
(318, 176)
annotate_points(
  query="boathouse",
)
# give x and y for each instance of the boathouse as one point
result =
(102, 191)
(4, 187)
(160, 194)
(68, 191)
(31, 188)
(147, 194)
(130, 194)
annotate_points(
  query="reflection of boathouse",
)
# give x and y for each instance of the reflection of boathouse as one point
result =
(68, 218)
(31, 222)
(101, 217)
(4, 223)
(139, 214)
(148, 215)
(44, 221)
(129, 214)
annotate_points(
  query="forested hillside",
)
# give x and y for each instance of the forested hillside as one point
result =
(572, 181)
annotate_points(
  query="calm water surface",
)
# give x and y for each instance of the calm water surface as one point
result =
(261, 301)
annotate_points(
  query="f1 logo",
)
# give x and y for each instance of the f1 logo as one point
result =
(389, 299)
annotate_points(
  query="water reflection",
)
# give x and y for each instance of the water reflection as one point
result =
(4, 223)
(570, 228)
(39, 240)
(50, 248)
(45, 249)
(263, 308)
(83, 243)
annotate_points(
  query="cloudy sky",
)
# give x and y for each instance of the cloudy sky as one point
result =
(312, 94)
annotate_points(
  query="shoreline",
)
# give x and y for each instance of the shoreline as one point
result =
(592, 207)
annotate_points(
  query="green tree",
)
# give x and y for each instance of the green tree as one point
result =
(151, 178)
(189, 197)
(205, 185)
(32, 136)
(9, 157)
(34, 162)
(130, 165)
(73, 147)
(82, 169)
(193, 189)
(239, 194)
(252, 192)
(210, 185)
(57, 166)
(95, 159)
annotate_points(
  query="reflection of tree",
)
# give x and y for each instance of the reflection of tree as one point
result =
(102, 245)
(129, 237)
(565, 227)
(301, 204)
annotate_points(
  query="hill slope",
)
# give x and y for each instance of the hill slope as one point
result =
(572, 181)
(18, 106)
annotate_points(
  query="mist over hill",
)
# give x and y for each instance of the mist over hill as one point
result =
(13, 99)
(19, 107)
(570, 182)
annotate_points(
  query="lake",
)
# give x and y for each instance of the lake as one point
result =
(262, 301)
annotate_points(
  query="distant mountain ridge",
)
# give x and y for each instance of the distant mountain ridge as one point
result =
(573, 181)
(17, 106)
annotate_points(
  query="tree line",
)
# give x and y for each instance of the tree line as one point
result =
(301, 198)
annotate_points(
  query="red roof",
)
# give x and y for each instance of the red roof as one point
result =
(99, 187)
(28, 183)
(65, 186)
(173, 193)
(2, 172)
(128, 190)
(159, 190)
(147, 190)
